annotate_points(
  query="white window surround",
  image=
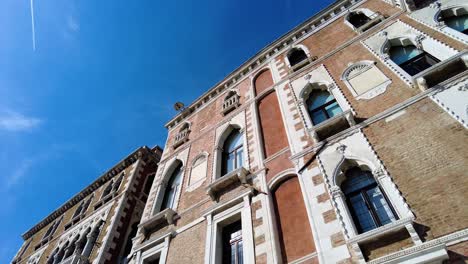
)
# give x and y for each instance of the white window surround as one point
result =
(162, 185)
(199, 162)
(373, 16)
(158, 251)
(217, 220)
(355, 150)
(429, 16)
(222, 133)
(332, 88)
(365, 67)
(402, 34)
(296, 46)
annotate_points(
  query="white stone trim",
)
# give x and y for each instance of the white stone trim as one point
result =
(429, 15)
(356, 148)
(159, 250)
(359, 67)
(379, 43)
(222, 132)
(240, 211)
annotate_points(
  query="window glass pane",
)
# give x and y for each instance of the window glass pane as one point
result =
(318, 98)
(239, 157)
(233, 141)
(240, 258)
(318, 117)
(362, 213)
(356, 179)
(459, 23)
(333, 109)
(400, 54)
(380, 205)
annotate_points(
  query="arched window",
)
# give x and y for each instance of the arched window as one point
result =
(172, 188)
(456, 18)
(321, 106)
(411, 59)
(297, 58)
(233, 152)
(358, 19)
(367, 202)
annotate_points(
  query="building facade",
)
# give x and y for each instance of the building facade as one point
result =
(97, 224)
(344, 141)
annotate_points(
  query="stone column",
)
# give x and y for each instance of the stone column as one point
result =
(92, 237)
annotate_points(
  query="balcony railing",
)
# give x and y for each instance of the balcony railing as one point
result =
(302, 64)
(333, 126)
(231, 103)
(162, 219)
(219, 185)
(374, 20)
(442, 71)
(181, 137)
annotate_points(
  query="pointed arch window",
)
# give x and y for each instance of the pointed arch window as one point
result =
(233, 152)
(456, 18)
(367, 202)
(172, 188)
(411, 59)
(321, 106)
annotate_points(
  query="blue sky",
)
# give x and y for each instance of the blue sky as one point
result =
(102, 81)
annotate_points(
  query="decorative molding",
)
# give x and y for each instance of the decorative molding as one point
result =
(439, 242)
(285, 42)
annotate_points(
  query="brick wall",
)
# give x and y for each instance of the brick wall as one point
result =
(424, 150)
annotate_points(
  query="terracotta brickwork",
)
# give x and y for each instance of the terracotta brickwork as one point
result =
(424, 151)
(287, 189)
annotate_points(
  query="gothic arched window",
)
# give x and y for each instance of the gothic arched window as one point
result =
(321, 106)
(172, 188)
(367, 203)
(233, 152)
(456, 18)
(411, 59)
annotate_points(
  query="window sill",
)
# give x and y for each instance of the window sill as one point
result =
(216, 187)
(374, 21)
(442, 71)
(164, 218)
(333, 125)
(104, 200)
(302, 64)
(382, 231)
(75, 220)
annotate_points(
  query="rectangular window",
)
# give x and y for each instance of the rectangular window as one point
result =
(232, 243)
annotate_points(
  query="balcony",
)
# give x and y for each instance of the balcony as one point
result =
(373, 20)
(302, 64)
(231, 103)
(442, 71)
(220, 184)
(181, 137)
(164, 218)
(333, 126)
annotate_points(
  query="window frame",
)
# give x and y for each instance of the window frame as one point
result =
(371, 209)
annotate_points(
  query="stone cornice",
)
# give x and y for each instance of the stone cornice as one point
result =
(142, 152)
(310, 26)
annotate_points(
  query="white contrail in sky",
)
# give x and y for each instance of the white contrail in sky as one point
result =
(32, 25)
